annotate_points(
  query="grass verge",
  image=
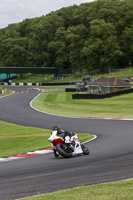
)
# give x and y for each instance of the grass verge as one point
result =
(121, 190)
(1, 88)
(7, 93)
(41, 78)
(16, 139)
(62, 104)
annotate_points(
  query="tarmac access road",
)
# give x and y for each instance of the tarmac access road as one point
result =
(110, 159)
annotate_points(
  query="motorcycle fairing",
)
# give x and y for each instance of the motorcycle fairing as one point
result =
(57, 141)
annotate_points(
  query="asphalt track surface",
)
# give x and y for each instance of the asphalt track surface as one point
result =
(111, 156)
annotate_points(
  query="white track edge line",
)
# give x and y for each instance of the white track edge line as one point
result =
(72, 117)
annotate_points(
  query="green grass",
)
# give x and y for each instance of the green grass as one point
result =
(63, 104)
(52, 90)
(121, 190)
(120, 73)
(30, 78)
(1, 88)
(40, 78)
(16, 139)
(7, 93)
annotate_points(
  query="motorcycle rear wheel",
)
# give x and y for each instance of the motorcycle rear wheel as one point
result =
(63, 150)
(85, 149)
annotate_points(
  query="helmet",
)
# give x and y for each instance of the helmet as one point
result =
(58, 129)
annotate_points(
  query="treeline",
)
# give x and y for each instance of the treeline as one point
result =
(92, 36)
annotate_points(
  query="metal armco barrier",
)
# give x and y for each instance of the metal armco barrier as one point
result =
(39, 84)
(75, 89)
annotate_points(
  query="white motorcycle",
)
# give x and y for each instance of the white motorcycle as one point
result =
(68, 146)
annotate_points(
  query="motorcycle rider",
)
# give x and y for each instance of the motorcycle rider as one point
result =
(62, 134)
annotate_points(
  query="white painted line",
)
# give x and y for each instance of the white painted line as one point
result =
(6, 95)
(9, 159)
(94, 137)
(40, 152)
(129, 179)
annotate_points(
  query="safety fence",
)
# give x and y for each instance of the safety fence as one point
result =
(75, 89)
(101, 96)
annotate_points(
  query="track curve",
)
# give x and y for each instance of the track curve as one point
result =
(111, 155)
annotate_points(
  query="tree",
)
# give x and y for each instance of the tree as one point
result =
(59, 48)
(95, 35)
(75, 37)
(14, 54)
(42, 34)
(102, 50)
(126, 41)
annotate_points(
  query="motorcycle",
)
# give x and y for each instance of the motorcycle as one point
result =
(68, 146)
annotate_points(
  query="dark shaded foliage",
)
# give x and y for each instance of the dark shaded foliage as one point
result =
(96, 35)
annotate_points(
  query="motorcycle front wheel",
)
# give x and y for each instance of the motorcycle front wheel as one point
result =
(85, 149)
(64, 150)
